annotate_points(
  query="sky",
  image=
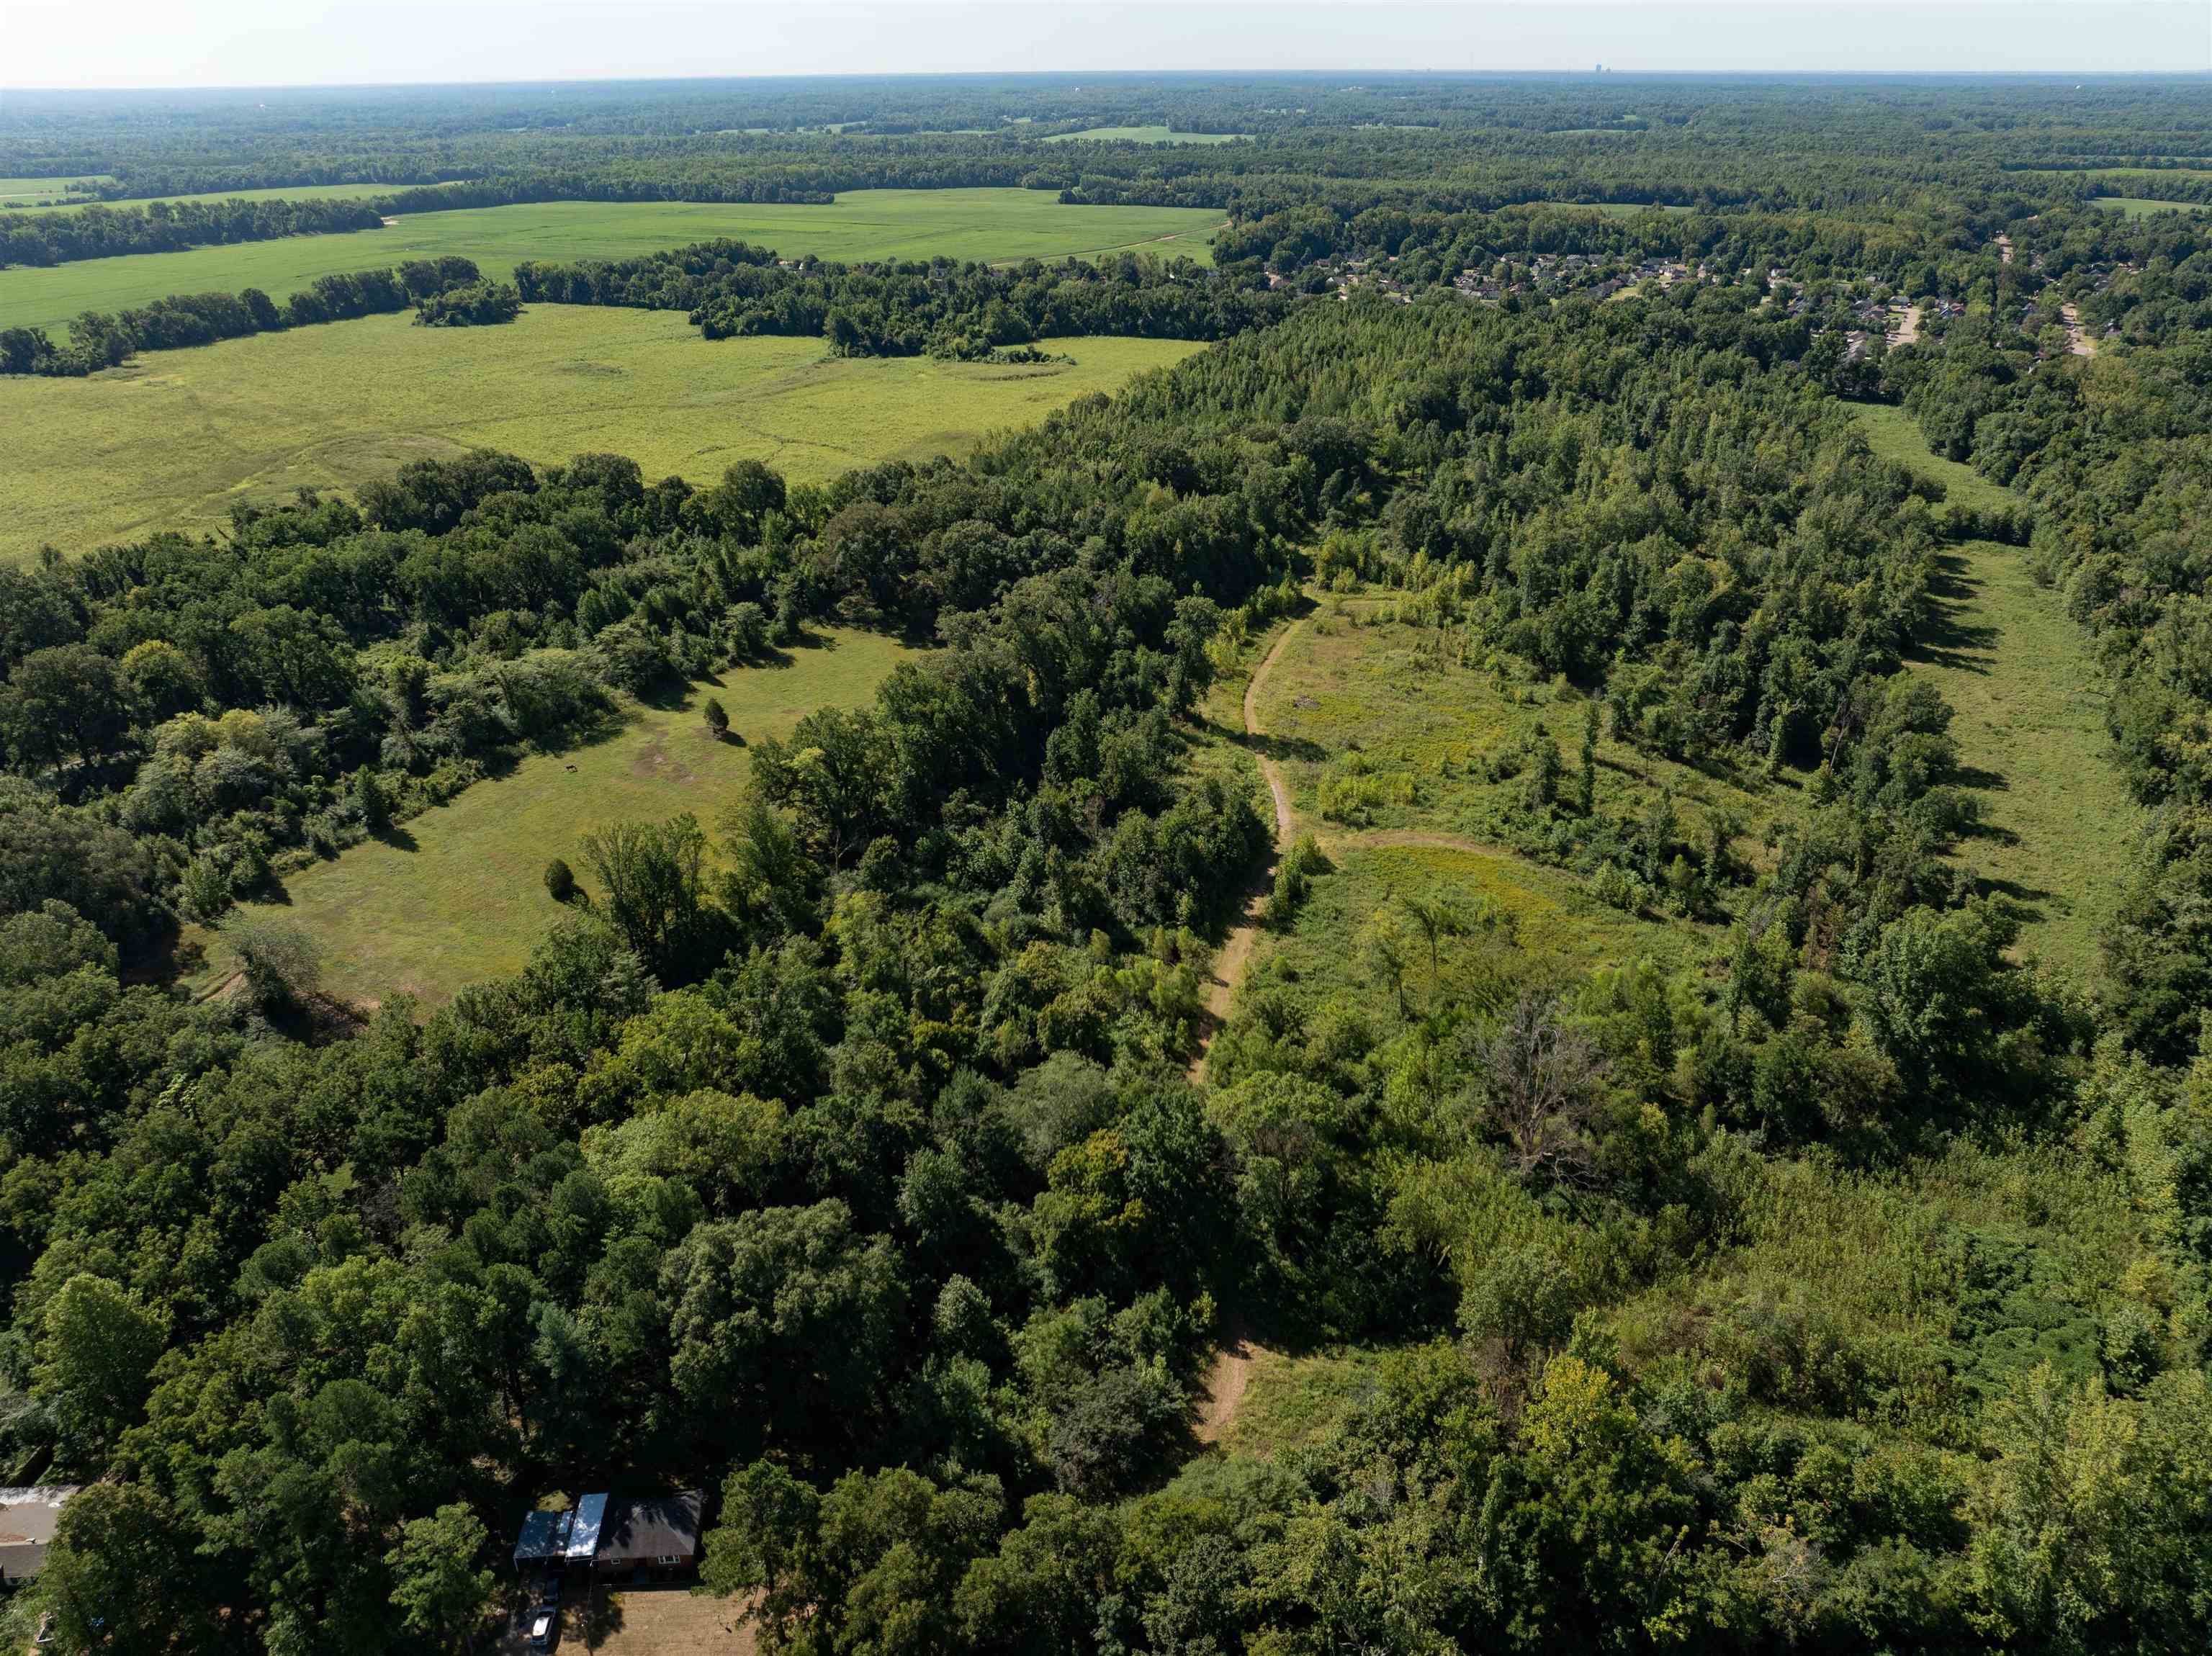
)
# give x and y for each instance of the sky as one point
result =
(212, 43)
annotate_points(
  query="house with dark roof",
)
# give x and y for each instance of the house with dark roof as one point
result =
(615, 1538)
(650, 1537)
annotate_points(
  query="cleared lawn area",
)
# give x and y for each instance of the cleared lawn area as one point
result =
(174, 439)
(1142, 135)
(863, 224)
(2061, 829)
(2136, 207)
(457, 894)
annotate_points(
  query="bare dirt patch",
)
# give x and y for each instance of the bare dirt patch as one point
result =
(1225, 1385)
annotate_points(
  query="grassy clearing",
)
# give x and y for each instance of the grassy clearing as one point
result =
(174, 439)
(1617, 209)
(457, 895)
(1142, 135)
(1557, 930)
(1892, 435)
(281, 192)
(2031, 721)
(1875, 1253)
(1351, 681)
(1295, 1401)
(1355, 680)
(19, 193)
(2136, 207)
(864, 224)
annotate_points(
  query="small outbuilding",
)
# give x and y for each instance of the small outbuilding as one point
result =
(27, 1517)
(544, 1542)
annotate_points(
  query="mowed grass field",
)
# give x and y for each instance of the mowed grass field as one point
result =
(172, 439)
(2138, 207)
(2062, 830)
(457, 894)
(19, 193)
(1142, 135)
(282, 192)
(864, 224)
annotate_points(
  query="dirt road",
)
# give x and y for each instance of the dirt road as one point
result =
(2077, 342)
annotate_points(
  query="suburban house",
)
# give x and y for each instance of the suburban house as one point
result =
(650, 1538)
(627, 1538)
(27, 1517)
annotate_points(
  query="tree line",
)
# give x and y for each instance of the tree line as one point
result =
(162, 227)
(101, 340)
(944, 308)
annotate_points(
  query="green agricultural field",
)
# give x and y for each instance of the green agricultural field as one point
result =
(1142, 135)
(174, 439)
(16, 193)
(2136, 207)
(863, 224)
(457, 894)
(284, 192)
(2031, 720)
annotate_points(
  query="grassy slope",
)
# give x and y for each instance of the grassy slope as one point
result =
(174, 439)
(457, 895)
(2031, 718)
(977, 224)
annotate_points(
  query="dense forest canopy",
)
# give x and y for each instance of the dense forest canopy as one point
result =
(1819, 1269)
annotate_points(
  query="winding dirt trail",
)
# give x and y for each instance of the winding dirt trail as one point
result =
(1235, 956)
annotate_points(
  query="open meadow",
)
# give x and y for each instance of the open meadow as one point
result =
(174, 439)
(861, 224)
(2138, 207)
(1142, 135)
(18, 194)
(2060, 831)
(1350, 692)
(275, 192)
(457, 894)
